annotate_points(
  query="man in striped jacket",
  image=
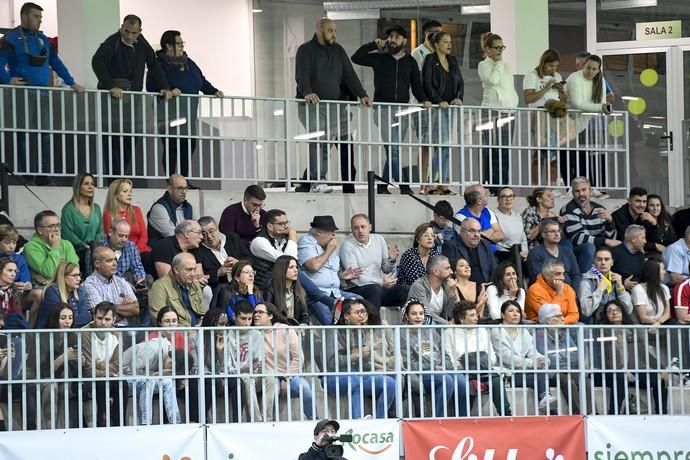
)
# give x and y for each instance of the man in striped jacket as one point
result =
(587, 225)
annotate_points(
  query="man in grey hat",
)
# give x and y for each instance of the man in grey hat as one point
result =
(318, 256)
(395, 72)
(323, 430)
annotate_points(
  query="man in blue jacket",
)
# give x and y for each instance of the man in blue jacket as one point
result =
(26, 59)
(395, 72)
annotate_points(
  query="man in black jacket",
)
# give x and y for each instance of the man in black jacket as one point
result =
(394, 73)
(119, 65)
(219, 252)
(323, 430)
(324, 73)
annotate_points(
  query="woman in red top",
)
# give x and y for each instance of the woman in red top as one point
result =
(118, 203)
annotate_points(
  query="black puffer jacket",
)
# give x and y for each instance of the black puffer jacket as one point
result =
(435, 81)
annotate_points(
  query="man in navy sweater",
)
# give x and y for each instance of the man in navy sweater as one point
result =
(26, 58)
(395, 72)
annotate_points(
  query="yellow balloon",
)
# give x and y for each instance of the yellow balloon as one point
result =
(637, 106)
(649, 77)
(616, 128)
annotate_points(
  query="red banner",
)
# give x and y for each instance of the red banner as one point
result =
(520, 438)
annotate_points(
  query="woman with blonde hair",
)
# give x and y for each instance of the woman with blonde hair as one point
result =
(81, 217)
(118, 204)
(64, 288)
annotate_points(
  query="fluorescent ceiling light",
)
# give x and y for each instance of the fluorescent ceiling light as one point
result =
(259, 147)
(504, 121)
(257, 10)
(630, 98)
(409, 111)
(278, 113)
(354, 14)
(314, 135)
(475, 9)
(650, 126)
(624, 4)
(178, 122)
(395, 125)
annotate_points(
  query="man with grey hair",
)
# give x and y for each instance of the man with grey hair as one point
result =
(551, 288)
(588, 225)
(476, 201)
(180, 289)
(187, 238)
(103, 285)
(129, 265)
(628, 257)
(219, 252)
(369, 252)
(473, 249)
(677, 259)
(436, 290)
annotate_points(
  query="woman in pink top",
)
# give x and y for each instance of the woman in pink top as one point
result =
(283, 355)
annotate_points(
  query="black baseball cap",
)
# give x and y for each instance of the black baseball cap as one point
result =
(320, 426)
(396, 28)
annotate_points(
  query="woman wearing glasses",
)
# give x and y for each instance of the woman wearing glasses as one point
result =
(185, 77)
(64, 288)
(498, 93)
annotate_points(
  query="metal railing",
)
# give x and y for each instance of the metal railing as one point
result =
(105, 377)
(53, 131)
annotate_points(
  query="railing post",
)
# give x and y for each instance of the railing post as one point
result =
(371, 199)
(581, 370)
(4, 189)
(288, 156)
(398, 374)
(201, 373)
(99, 139)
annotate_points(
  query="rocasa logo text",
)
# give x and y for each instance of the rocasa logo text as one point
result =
(370, 443)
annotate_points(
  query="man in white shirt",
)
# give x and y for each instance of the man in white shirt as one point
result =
(377, 281)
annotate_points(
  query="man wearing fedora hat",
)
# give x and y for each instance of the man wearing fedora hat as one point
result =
(395, 72)
(317, 254)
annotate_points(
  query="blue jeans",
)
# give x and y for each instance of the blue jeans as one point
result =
(381, 386)
(145, 391)
(440, 134)
(442, 387)
(584, 254)
(320, 304)
(295, 385)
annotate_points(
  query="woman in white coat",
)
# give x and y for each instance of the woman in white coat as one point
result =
(498, 93)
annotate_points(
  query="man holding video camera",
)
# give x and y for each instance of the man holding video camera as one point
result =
(325, 433)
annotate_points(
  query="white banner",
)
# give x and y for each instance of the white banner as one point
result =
(372, 439)
(634, 437)
(169, 442)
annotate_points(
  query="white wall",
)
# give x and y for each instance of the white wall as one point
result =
(49, 25)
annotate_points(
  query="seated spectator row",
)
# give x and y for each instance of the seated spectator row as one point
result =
(266, 370)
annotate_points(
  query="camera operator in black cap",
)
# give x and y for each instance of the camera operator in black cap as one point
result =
(324, 431)
(395, 72)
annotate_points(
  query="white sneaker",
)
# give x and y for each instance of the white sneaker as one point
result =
(596, 193)
(320, 188)
(548, 402)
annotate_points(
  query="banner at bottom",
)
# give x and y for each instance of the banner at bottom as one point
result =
(372, 439)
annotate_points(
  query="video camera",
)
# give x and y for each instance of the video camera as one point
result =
(335, 450)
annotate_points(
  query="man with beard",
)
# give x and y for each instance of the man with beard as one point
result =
(324, 72)
(436, 290)
(635, 212)
(588, 225)
(394, 73)
(101, 359)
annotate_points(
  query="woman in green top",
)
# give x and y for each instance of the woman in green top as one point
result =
(82, 220)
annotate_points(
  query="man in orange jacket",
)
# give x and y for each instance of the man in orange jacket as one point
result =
(550, 287)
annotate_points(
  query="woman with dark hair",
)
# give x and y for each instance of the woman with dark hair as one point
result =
(664, 228)
(81, 219)
(517, 354)
(283, 359)
(444, 85)
(59, 359)
(185, 77)
(586, 93)
(10, 297)
(359, 350)
(541, 204)
(241, 287)
(620, 348)
(413, 261)
(469, 290)
(286, 291)
(498, 93)
(541, 85)
(505, 286)
(651, 297)
(65, 287)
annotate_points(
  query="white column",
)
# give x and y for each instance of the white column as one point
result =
(83, 25)
(524, 27)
